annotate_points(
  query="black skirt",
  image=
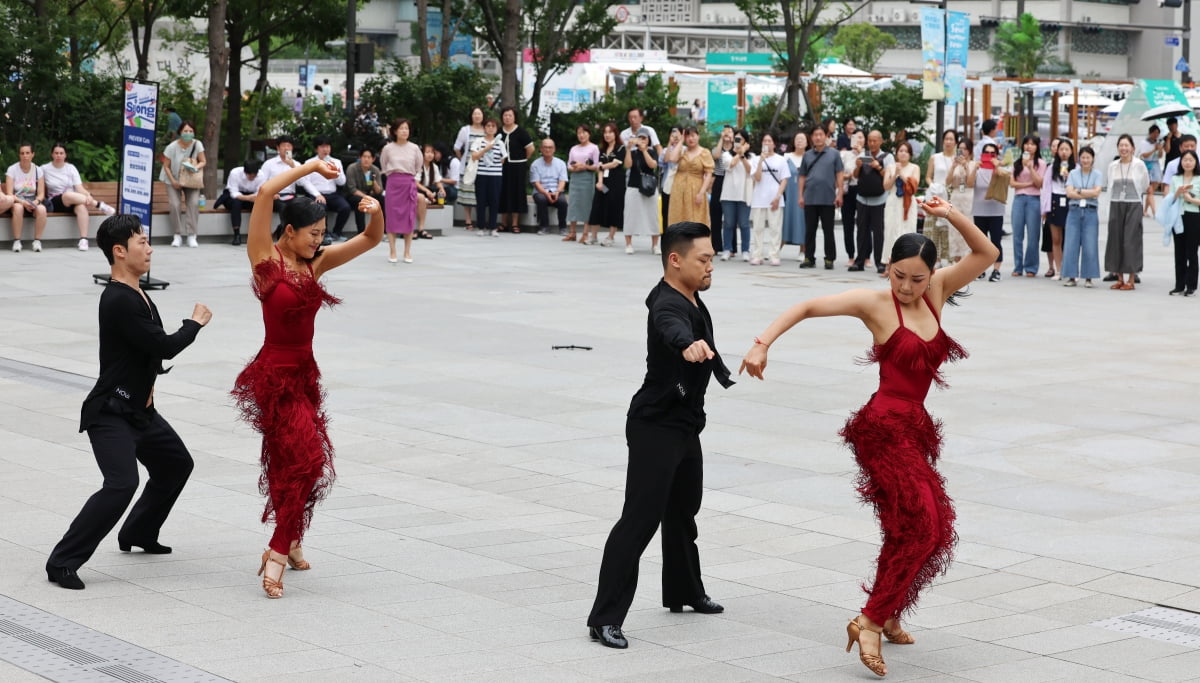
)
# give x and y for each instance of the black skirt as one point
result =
(514, 196)
(608, 208)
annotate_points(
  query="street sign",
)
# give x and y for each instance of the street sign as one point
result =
(1182, 65)
(1171, 41)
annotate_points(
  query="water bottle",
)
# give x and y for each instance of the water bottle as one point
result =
(203, 202)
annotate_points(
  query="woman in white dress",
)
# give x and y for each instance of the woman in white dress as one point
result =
(641, 216)
(962, 195)
(900, 181)
(935, 179)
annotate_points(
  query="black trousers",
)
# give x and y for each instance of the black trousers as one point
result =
(849, 211)
(993, 227)
(716, 217)
(335, 203)
(1186, 246)
(236, 207)
(119, 446)
(543, 210)
(663, 483)
(824, 214)
(870, 234)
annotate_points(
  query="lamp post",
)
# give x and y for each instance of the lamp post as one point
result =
(351, 9)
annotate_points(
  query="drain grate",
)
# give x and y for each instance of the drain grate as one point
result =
(63, 651)
(1159, 623)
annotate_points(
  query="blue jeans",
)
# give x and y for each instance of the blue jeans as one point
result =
(1026, 223)
(735, 214)
(1081, 234)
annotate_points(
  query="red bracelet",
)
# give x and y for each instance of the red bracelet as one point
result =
(759, 341)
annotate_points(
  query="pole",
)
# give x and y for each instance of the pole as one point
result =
(1186, 76)
(940, 108)
(351, 8)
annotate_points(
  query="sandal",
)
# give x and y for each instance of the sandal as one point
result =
(516, 230)
(1049, 273)
(295, 560)
(897, 635)
(424, 235)
(569, 238)
(469, 225)
(272, 587)
(1117, 285)
(1127, 287)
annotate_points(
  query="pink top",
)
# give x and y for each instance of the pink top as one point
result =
(1026, 176)
(407, 158)
(581, 153)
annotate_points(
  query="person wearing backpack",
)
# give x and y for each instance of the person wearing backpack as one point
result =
(869, 170)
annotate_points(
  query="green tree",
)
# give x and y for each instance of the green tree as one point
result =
(1020, 50)
(436, 102)
(555, 30)
(650, 93)
(900, 107)
(806, 24)
(864, 44)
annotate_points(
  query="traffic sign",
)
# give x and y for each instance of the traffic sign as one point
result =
(622, 14)
(1182, 65)
(1171, 41)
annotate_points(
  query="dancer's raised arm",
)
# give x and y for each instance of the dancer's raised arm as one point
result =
(258, 240)
(946, 281)
(338, 254)
(855, 303)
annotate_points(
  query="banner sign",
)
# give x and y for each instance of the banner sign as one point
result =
(137, 150)
(958, 40)
(933, 52)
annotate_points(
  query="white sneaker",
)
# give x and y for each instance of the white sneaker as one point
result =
(774, 261)
(177, 241)
(746, 256)
(37, 245)
(608, 242)
(483, 233)
(657, 250)
(106, 209)
(629, 249)
(495, 233)
(16, 246)
(83, 244)
(725, 255)
(192, 241)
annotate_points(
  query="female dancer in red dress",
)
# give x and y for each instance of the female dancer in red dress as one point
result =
(279, 392)
(895, 441)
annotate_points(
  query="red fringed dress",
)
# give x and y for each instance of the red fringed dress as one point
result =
(896, 444)
(279, 393)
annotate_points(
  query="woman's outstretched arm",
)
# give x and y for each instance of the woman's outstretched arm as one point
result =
(338, 254)
(983, 253)
(856, 303)
(258, 239)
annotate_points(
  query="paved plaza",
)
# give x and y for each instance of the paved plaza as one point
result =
(479, 472)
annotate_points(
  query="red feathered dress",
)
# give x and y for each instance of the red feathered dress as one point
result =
(279, 393)
(896, 444)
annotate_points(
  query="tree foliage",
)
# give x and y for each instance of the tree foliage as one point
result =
(900, 107)
(650, 93)
(436, 102)
(803, 33)
(1020, 50)
(554, 30)
(863, 44)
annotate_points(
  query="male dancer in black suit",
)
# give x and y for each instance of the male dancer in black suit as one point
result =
(119, 414)
(666, 472)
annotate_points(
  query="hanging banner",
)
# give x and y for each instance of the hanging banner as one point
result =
(933, 52)
(137, 150)
(958, 40)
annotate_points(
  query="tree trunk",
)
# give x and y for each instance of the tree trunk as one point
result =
(218, 68)
(423, 34)
(233, 132)
(540, 76)
(510, 53)
(264, 58)
(448, 30)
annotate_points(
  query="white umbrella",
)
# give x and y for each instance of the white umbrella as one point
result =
(758, 89)
(1087, 98)
(839, 70)
(1163, 111)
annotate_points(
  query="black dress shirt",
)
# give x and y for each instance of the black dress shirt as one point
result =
(672, 395)
(133, 345)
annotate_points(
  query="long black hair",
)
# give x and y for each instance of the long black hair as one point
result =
(299, 213)
(912, 244)
(1057, 161)
(1017, 167)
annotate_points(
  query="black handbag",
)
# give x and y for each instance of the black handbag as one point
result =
(647, 181)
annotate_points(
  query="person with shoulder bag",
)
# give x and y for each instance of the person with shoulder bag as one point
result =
(183, 164)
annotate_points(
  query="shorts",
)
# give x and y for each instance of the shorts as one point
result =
(55, 204)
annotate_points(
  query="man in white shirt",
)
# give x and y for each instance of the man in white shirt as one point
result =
(241, 189)
(986, 130)
(278, 164)
(327, 190)
(549, 177)
(636, 128)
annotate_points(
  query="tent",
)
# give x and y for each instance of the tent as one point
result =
(1145, 95)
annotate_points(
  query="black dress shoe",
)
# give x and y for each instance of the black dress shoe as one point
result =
(828, 264)
(67, 578)
(237, 239)
(1137, 278)
(151, 548)
(855, 269)
(704, 605)
(808, 263)
(1111, 277)
(1190, 292)
(1177, 290)
(609, 636)
(880, 269)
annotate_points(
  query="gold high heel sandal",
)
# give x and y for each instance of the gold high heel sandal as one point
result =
(897, 634)
(272, 587)
(871, 660)
(295, 559)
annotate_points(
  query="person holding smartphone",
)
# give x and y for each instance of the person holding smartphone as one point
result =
(282, 162)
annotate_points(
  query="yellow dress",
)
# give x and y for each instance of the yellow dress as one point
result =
(689, 178)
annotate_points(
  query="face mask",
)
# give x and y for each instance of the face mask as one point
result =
(187, 137)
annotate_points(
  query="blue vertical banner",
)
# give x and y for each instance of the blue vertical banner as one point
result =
(137, 150)
(958, 40)
(933, 52)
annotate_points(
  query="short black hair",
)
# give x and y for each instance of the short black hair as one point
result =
(117, 230)
(988, 126)
(251, 166)
(321, 140)
(285, 138)
(1187, 138)
(678, 237)
(1172, 120)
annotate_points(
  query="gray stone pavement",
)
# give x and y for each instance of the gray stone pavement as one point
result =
(480, 472)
